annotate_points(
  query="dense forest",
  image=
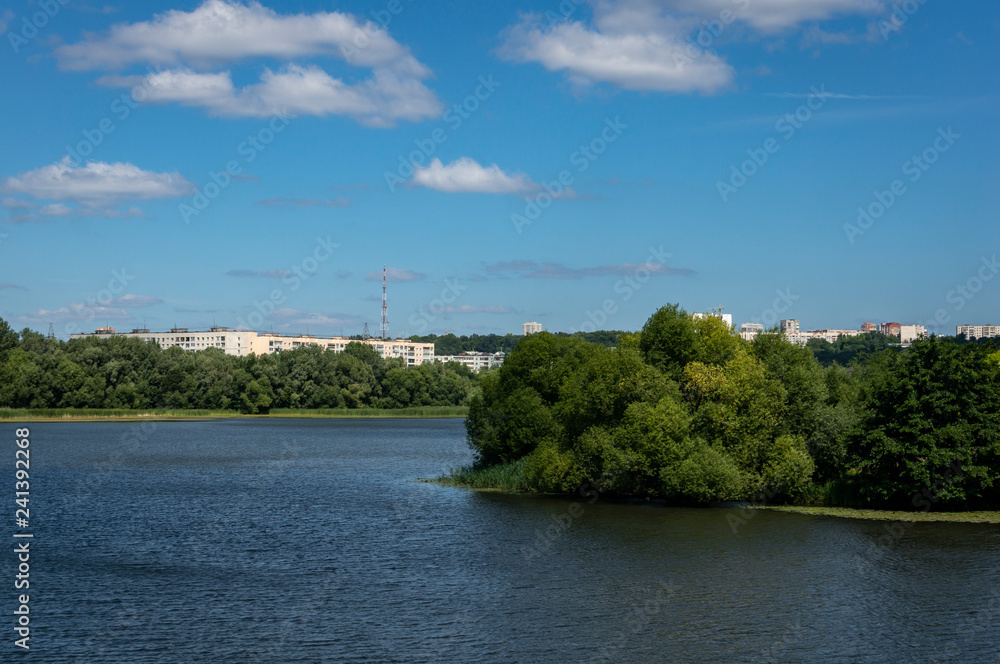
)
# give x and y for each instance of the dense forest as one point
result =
(687, 411)
(121, 372)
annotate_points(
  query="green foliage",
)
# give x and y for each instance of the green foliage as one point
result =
(685, 411)
(930, 426)
(850, 350)
(128, 373)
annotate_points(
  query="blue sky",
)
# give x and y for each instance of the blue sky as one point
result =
(577, 164)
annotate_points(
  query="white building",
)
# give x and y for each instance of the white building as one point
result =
(833, 335)
(530, 328)
(749, 331)
(910, 333)
(726, 318)
(789, 326)
(475, 361)
(978, 331)
(246, 342)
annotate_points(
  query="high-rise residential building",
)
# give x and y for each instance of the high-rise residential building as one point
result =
(889, 329)
(978, 331)
(789, 326)
(247, 342)
(910, 333)
(869, 327)
(750, 330)
(530, 328)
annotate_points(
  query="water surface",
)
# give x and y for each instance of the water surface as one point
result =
(311, 541)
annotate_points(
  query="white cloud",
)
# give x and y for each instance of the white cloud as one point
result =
(75, 311)
(55, 210)
(380, 101)
(632, 45)
(97, 183)
(659, 45)
(466, 175)
(222, 32)
(771, 15)
(300, 319)
(395, 274)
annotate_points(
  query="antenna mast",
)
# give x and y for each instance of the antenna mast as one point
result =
(384, 328)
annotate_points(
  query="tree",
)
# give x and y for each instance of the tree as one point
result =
(930, 426)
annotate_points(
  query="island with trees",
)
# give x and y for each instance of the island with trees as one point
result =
(686, 411)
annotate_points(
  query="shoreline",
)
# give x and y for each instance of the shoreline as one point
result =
(859, 514)
(181, 415)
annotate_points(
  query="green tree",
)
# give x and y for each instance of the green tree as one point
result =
(930, 426)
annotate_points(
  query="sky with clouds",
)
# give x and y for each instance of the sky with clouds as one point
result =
(577, 163)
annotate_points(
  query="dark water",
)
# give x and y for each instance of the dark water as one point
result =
(310, 541)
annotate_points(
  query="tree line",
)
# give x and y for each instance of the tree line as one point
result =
(123, 372)
(450, 344)
(687, 411)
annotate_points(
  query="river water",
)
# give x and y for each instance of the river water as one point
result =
(300, 540)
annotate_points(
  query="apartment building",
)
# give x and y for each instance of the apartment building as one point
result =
(475, 361)
(246, 342)
(978, 331)
(530, 328)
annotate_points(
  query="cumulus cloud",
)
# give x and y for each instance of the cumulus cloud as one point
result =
(183, 45)
(533, 270)
(634, 46)
(466, 175)
(97, 183)
(395, 274)
(655, 45)
(221, 31)
(771, 15)
(291, 203)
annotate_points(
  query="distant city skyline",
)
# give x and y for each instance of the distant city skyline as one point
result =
(577, 165)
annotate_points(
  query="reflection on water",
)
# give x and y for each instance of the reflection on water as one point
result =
(311, 541)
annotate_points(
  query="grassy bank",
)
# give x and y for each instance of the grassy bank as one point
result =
(504, 477)
(126, 414)
(510, 478)
(888, 515)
